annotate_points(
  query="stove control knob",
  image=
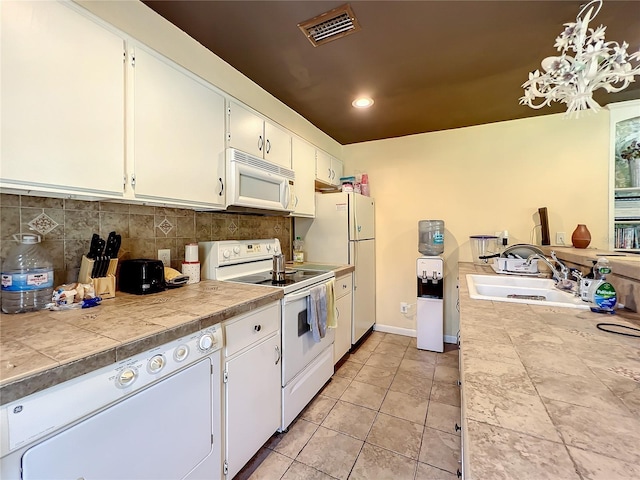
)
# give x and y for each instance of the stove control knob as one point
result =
(226, 254)
(127, 377)
(236, 250)
(276, 249)
(206, 342)
(156, 363)
(181, 353)
(268, 247)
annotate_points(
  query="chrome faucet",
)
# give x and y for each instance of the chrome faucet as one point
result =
(561, 277)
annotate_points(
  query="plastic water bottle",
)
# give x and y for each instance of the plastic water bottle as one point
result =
(27, 277)
(298, 252)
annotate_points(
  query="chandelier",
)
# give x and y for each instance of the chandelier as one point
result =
(586, 63)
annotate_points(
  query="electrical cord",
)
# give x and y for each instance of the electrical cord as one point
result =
(600, 325)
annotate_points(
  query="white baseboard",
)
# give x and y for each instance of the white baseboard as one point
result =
(408, 332)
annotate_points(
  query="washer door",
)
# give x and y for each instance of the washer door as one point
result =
(162, 432)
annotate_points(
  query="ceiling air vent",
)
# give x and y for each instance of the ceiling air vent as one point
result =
(330, 25)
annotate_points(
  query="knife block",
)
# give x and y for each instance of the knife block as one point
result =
(105, 287)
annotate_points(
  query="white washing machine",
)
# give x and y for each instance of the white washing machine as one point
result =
(153, 416)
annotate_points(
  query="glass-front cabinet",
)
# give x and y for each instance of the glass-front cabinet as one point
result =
(624, 209)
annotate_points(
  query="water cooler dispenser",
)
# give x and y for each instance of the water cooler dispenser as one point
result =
(430, 279)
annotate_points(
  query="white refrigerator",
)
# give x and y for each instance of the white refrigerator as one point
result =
(343, 233)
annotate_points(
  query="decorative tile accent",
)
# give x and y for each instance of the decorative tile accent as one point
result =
(232, 227)
(165, 226)
(277, 228)
(43, 224)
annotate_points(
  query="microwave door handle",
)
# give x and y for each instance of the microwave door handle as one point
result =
(293, 297)
(287, 195)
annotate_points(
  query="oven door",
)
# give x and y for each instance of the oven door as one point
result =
(256, 183)
(298, 346)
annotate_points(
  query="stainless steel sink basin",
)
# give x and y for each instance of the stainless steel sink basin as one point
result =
(516, 289)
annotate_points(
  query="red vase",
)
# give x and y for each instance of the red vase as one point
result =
(581, 237)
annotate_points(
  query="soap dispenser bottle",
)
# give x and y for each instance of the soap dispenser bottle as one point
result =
(601, 294)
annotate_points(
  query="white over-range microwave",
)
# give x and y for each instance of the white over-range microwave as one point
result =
(256, 183)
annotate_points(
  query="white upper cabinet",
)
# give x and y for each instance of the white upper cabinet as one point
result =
(304, 156)
(63, 100)
(177, 146)
(328, 169)
(253, 134)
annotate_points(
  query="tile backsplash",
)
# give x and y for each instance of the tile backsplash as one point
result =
(66, 227)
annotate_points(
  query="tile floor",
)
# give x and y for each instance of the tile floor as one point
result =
(388, 413)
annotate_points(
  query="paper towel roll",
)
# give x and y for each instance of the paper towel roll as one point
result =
(193, 270)
(191, 253)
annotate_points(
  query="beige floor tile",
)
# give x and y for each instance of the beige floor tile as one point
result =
(405, 406)
(351, 419)
(443, 393)
(266, 465)
(424, 356)
(598, 467)
(383, 361)
(392, 349)
(376, 336)
(443, 417)
(446, 374)
(381, 377)
(349, 369)
(370, 344)
(397, 339)
(414, 367)
(427, 472)
(412, 384)
(318, 409)
(331, 452)
(300, 471)
(293, 441)
(336, 387)
(360, 355)
(440, 449)
(365, 395)
(396, 434)
(450, 358)
(380, 464)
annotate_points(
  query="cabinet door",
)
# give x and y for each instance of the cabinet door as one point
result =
(337, 168)
(178, 134)
(323, 167)
(277, 147)
(304, 167)
(62, 100)
(245, 130)
(253, 401)
(342, 342)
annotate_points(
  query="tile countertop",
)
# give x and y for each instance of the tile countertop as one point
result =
(41, 349)
(545, 394)
(624, 264)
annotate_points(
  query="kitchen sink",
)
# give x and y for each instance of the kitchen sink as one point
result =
(516, 289)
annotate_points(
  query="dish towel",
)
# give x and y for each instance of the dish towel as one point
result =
(317, 312)
(332, 317)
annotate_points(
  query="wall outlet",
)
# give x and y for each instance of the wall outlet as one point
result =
(404, 307)
(560, 238)
(164, 255)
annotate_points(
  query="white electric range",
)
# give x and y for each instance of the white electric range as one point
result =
(306, 364)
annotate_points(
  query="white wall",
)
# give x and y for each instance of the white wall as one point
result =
(480, 180)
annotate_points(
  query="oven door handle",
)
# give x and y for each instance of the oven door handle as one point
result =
(293, 297)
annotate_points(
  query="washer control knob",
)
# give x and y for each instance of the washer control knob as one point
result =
(181, 353)
(206, 342)
(127, 377)
(156, 363)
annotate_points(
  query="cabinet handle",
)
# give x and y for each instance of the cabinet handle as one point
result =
(278, 353)
(268, 146)
(133, 181)
(329, 170)
(260, 143)
(458, 427)
(221, 186)
(257, 328)
(459, 473)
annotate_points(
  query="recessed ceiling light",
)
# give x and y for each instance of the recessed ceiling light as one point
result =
(362, 102)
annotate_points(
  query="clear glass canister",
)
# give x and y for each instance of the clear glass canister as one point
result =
(431, 237)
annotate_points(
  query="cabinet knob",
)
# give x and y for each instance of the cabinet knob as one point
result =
(458, 427)
(257, 328)
(459, 473)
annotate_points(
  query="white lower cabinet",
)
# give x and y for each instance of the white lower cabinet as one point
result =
(252, 376)
(344, 314)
